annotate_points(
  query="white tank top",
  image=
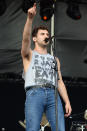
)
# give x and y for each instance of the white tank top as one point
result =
(40, 71)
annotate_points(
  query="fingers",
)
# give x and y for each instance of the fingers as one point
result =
(68, 113)
(68, 110)
(34, 5)
(32, 11)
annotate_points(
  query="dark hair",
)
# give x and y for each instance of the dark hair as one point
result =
(35, 30)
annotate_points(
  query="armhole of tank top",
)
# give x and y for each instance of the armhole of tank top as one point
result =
(30, 62)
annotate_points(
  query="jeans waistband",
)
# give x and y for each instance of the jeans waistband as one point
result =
(40, 86)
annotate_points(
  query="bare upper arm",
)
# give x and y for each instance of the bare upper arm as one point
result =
(26, 49)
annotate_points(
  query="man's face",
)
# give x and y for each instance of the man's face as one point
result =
(40, 37)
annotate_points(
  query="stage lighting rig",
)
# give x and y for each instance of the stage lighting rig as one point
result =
(27, 4)
(73, 10)
(3, 7)
(46, 9)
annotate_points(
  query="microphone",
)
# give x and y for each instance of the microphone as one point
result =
(47, 39)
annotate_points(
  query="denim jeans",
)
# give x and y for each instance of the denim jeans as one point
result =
(39, 100)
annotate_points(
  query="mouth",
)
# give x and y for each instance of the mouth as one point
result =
(46, 40)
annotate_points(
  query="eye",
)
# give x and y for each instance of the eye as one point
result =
(48, 35)
(42, 33)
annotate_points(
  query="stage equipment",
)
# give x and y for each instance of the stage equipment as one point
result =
(85, 61)
(78, 126)
(22, 123)
(85, 115)
(55, 67)
(46, 9)
(27, 4)
(73, 10)
(3, 7)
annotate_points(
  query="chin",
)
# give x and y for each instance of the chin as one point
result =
(46, 43)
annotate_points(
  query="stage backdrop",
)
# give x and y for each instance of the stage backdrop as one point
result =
(71, 41)
(11, 29)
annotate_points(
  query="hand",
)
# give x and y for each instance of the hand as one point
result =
(32, 11)
(68, 109)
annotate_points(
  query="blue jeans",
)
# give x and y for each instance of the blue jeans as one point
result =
(39, 100)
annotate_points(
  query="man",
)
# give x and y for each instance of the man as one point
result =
(40, 79)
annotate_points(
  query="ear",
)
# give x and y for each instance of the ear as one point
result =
(34, 39)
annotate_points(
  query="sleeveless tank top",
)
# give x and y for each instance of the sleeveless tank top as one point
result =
(40, 70)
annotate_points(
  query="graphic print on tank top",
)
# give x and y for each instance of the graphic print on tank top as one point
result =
(44, 69)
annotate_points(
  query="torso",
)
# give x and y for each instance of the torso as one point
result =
(39, 69)
(27, 61)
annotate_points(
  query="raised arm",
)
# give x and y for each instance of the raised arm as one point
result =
(63, 92)
(26, 41)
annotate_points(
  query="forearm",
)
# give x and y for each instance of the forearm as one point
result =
(63, 92)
